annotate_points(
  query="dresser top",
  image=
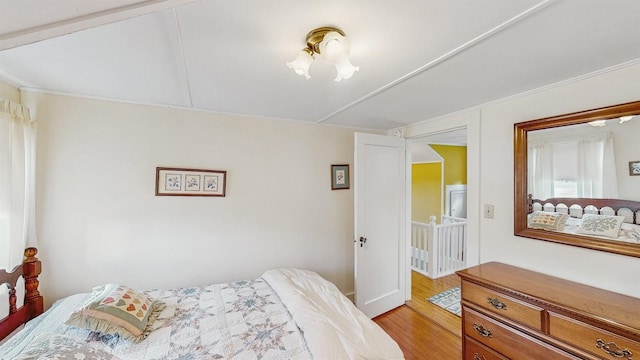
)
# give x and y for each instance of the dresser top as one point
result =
(555, 292)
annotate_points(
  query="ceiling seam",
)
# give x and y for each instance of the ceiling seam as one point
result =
(186, 108)
(443, 57)
(519, 95)
(63, 27)
(185, 72)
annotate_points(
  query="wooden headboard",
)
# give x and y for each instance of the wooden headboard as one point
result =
(33, 302)
(599, 204)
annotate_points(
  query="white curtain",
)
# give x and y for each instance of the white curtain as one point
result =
(541, 176)
(17, 183)
(597, 167)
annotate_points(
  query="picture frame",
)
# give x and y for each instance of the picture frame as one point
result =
(340, 177)
(634, 168)
(190, 182)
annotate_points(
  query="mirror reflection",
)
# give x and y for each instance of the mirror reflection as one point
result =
(589, 160)
(575, 179)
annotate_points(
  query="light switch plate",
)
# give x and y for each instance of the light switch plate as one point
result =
(488, 211)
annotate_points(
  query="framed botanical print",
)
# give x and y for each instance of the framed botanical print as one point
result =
(190, 182)
(339, 177)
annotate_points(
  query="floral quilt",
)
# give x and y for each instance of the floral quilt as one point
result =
(238, 320)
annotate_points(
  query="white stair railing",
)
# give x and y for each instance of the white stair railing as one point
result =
(438, 249)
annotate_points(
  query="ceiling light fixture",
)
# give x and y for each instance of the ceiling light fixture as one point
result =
(624, 119)
(598, 123)
(329, 45)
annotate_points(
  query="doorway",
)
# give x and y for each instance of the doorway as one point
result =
(438, 189)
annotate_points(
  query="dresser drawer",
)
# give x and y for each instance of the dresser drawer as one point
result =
(473, 350)
(592, 339)
(503, 305)
(506, 340)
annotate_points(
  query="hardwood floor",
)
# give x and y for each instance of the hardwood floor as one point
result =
(423, 288)
(424, 330)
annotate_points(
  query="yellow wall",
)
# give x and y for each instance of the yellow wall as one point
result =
(426, 191)
(455, 163)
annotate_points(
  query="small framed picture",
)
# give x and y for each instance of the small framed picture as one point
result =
(339, 177)
(190, 182)
(634, 168)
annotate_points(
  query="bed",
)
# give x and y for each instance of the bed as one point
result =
(608, 219)
(284, 314)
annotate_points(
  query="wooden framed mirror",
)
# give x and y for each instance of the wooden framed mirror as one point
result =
(536, 190)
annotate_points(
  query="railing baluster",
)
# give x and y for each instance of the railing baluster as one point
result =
(438, 250)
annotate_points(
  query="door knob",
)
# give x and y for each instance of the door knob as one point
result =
(362, 241)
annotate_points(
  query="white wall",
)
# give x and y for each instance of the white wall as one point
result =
(99, 220)
(9, 92)
(626, 150)
(497, 242)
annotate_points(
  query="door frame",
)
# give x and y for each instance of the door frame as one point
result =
(413, 134)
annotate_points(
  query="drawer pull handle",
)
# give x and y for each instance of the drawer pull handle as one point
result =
(614, 350)
(477, 356)
(482, 330)
(497, 303)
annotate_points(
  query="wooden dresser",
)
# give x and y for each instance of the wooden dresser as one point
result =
(513, 313)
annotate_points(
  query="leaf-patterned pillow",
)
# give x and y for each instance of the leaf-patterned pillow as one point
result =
(630, 231)
(601, 225)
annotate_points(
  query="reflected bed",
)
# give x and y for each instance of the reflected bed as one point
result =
(607, 219)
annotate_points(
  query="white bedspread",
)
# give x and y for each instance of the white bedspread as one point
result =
(239, 320)
(333, 327)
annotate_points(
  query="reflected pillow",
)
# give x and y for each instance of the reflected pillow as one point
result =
(117, 310)
(601, 225)
(630, 231)
(544, 220)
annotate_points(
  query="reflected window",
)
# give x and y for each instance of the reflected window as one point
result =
(578, 167)
(565, 169)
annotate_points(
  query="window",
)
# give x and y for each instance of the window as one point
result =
(17, 183)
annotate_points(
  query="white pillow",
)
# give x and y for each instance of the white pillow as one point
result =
(630, 231)
(601, 225)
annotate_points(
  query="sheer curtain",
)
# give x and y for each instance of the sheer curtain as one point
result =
(17, 183)
(541, 176)
(597, 176)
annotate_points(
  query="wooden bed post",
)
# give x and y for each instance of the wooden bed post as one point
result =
(33, 302)
(31, 268)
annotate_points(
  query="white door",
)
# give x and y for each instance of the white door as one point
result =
(381, 201)
(456, 201)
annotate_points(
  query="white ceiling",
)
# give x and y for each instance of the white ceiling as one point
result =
(418, 58)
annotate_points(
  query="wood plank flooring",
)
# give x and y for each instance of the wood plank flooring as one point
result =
(423, 288)
(424, 330)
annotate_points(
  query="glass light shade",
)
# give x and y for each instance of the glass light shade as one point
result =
(345, 69)
(333, 47)
(598, 123)
(301, 63)
(624, 119)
